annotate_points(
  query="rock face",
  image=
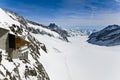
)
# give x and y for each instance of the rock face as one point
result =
(109, 36)
(59, 30)
(64, 34)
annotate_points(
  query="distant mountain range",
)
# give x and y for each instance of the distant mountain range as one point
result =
(109, 36)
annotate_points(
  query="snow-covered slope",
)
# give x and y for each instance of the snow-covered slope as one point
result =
(5, 20)
(30, 25)
(44, 30)
(109, 36)
(80, 60)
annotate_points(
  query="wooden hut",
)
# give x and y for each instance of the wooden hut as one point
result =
(11, 43)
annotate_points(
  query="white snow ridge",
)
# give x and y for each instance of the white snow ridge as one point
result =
(50, 57)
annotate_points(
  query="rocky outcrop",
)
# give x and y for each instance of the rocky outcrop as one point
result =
(64, 34)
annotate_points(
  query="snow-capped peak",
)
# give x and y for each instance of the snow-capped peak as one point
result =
(108, 36)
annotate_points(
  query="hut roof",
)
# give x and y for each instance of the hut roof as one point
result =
(20, 42)
(3, 31)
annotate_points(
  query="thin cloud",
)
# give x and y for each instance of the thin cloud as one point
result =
(117, 1)
(99, 19)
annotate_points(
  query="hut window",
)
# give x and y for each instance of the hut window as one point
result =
(11, 39)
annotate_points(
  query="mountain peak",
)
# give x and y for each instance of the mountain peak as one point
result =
(108, 36)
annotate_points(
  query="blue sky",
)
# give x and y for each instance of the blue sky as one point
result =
(67, 13)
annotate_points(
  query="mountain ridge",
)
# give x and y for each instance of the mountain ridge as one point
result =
(108, 36)
(14, 24)
(26, 23)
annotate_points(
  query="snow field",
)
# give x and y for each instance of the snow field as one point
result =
(79, 60)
